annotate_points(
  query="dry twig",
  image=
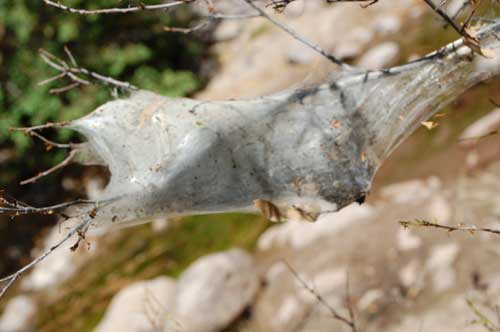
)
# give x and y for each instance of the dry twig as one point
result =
(347, 321)
(72, 71)
(130, 9)
(461, 227)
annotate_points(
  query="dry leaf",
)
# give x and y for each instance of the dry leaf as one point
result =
(335, 124)
(471, 40)
(429, 124)
(268, 209)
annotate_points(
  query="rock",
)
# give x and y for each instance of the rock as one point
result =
(299, 234)
(141, 307)
(19, 315)
(481, 127)
(227, 30)
(407, 240)
(411, 192)
(388, 24)
(279, 309)
(454, 6)
(275, 272)
(369, 300)
(353, 46)
(451, 315)
(295, 8)
(440, 209)
(215, 290)
(297, 54)
(289, 313)
(409, 274)
(160, 224)
(324, 283)
(380, 56)
(440, 266)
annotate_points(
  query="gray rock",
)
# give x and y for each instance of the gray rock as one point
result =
(141, 307)
(215, 290)
(18, 315)
(380, 56)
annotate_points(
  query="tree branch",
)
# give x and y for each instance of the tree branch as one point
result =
(130, 9)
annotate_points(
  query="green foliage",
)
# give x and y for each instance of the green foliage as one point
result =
(131, 47)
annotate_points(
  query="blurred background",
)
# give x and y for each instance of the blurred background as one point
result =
(399, 280)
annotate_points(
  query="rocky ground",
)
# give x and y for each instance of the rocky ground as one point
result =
(235, 273)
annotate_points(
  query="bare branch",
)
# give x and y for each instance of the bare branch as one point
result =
(298, 37)
(130, 9)
(13, 206)
(9, 280)
(461, 227)
(74, 70)
(445, 16)
(59, 166)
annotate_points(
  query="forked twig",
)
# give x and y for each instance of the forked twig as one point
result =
(10, 279)
(11, 205)
(72, 71)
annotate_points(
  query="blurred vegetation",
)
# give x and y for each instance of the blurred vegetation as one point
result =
(131, 47)
(140, 253)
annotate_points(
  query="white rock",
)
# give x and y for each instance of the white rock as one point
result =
(453, 6)
(411, 192)
(280, 309)
(370, 298)
(442, 256)
(141, 307)
(288, 311)
(408, 275)
(19, 315)
(295, 8)
(214, 290)
(275, 271)
(440, 266)
(481, 127)
(227, 30)
(380, 56)
(388, 24)
(298, 54)
(323, 283)
(353, 45)
(160, 224)
(300, 234)
(440, 209)
(407, 240)
(330, 280)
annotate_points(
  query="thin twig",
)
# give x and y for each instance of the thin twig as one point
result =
(442, 13)
(59, 166)
(298, 37)
(321, 299)
(72, 71)
(10, 279)
(130, 9)
(20, 208)
(461, 228)
(197, 27)
(49, 143)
